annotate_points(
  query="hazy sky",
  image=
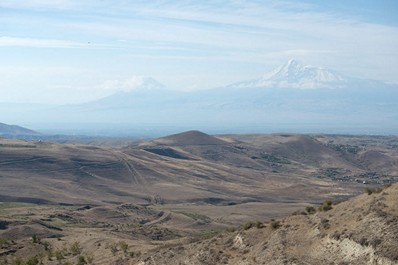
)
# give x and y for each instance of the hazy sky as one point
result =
(73, 50)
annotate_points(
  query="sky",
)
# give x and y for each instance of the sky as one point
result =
(73, 51)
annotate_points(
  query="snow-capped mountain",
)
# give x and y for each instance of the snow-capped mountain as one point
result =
(299, 97)
(137, 83)
(295, 75)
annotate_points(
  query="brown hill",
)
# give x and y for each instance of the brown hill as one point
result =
(164, 200)
(189, 138)
(363, 230)
(238, 171)
(14, 131)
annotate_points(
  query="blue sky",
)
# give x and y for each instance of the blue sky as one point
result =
(71, 51)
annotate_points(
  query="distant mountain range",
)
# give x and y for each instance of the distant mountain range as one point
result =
(293, 97)
(14, 131)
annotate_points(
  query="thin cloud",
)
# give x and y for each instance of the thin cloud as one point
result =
(38, 43)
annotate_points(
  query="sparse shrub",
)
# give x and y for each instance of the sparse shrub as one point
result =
(363, 242)
(248, 225)
(75, 249)
(387, 185)
(50, 254)
(259, 224)
(33, 261)
(114, 249)
(275, 224)
(123, 246)
(135, 254)
(310, 209)
(18, 261)
(81, 260)
(35, 239)
(4, 261)
(298, 212)
(47, 245)
(375, 242)
(370, 191)
(59, 255)
(325, 223)
(231, 229)
(3, 242)
(336, 235)
(326, 206)
(90, 259)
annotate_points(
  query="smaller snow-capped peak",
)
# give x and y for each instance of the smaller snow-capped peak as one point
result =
(141, 83)
(134, 83)
(293, 74)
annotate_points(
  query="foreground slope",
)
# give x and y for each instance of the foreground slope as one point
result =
(363, 230)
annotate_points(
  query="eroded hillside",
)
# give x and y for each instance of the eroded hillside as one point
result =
(363, 230)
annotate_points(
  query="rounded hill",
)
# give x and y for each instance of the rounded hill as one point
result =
(190, 138)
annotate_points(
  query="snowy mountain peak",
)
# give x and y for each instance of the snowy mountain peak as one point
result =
(142, 83)
(293, 74)
(134, 83)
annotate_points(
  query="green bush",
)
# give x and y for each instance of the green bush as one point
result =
(81, 260)
(35, 238)
(326, 206)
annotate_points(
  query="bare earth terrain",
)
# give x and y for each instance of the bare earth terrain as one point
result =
(193, 198)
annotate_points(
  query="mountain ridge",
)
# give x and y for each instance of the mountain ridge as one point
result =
(11, 131)
(294, 98)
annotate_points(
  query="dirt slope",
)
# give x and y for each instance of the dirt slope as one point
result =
(363, 230)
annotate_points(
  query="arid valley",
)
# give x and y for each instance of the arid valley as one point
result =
(193, 198)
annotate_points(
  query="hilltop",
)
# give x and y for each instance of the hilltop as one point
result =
(189, 138)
